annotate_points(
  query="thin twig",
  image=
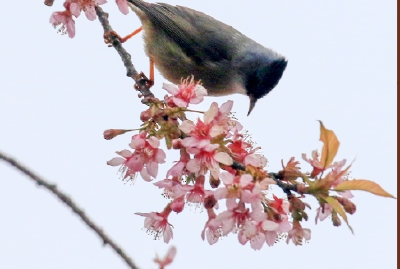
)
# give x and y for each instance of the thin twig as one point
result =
(142, 83)
(71, 204)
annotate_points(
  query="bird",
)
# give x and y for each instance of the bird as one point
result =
(183, 42)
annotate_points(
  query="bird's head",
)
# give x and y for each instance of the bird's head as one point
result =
(261, 73)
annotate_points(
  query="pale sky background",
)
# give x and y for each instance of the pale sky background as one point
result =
(58, 95)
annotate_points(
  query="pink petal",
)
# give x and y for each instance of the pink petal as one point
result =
(70, 28)
(210, 147)
(100, 2)
(216, 131)
(180, 102)
(190, 142)
(227, 178)
(167, 234)
(124, 153)
(270, 238)
(170, 88)
(255, 160)
(226, 107)
(211, 238)
(90, 13)
(210, 114)
(307, 234)
(153, 141)
(187, 126)
(257, 241)
(75, 9)
(116, 161)
(137, 143)
(227, 226)
(145, 175)
(268, 225)
(245, 180)
(160, 156)
(152, 169)
(176, 170)
(346, 194)
(123, 6)
(223, 158)
(193, 166)
(135, 163)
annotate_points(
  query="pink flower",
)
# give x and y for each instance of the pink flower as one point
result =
(323, 212)
(272, 234)
(168, 258)
(234, 185)
(64, 18)
(212, 230)
(339, 176)
(315, 162)
(144, 159)
(298, 233)
(188, 92)
(208, 160)
(123, 6)
(179, 168)
(173, 188)
(203, 131)
(244, 152)
(88, 6)
(252, 231)
(178, 204)
(157, 224)
(234, 217)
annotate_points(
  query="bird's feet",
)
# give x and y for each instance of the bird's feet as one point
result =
(110, 36)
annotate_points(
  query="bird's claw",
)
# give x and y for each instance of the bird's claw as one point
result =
(110, 37)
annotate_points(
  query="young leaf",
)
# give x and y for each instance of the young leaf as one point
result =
(331, 145)
(363, 185)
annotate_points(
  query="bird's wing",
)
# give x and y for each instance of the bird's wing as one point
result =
(200, 36)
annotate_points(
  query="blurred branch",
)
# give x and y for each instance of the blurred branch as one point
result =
(71, 204)
(143, 84)
(48, 2)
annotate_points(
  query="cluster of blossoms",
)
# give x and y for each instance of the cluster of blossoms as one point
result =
(73, 8)
(215, 147)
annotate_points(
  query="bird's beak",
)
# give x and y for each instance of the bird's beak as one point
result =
(253, 102)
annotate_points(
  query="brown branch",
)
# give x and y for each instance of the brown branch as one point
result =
(143, 84)
(71, 204)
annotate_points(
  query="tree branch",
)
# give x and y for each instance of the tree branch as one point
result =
(143, 84)
(71, 204)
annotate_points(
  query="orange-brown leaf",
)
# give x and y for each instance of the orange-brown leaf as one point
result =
(363, 185)
(331, 145)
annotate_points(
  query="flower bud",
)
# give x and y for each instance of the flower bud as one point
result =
(335, 220)
(214, 182)
(178, 204)
(111, 133)
(209, 202)
(145, 115)
(348, 205)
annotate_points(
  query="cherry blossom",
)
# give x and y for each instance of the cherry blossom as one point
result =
(315, 162)
(64, 18)
(212, 229)
(157, 224)
(168, 258)
(298, 233)
(188, 92)
(144, 159)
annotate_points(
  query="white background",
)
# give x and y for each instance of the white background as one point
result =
(58, 95)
